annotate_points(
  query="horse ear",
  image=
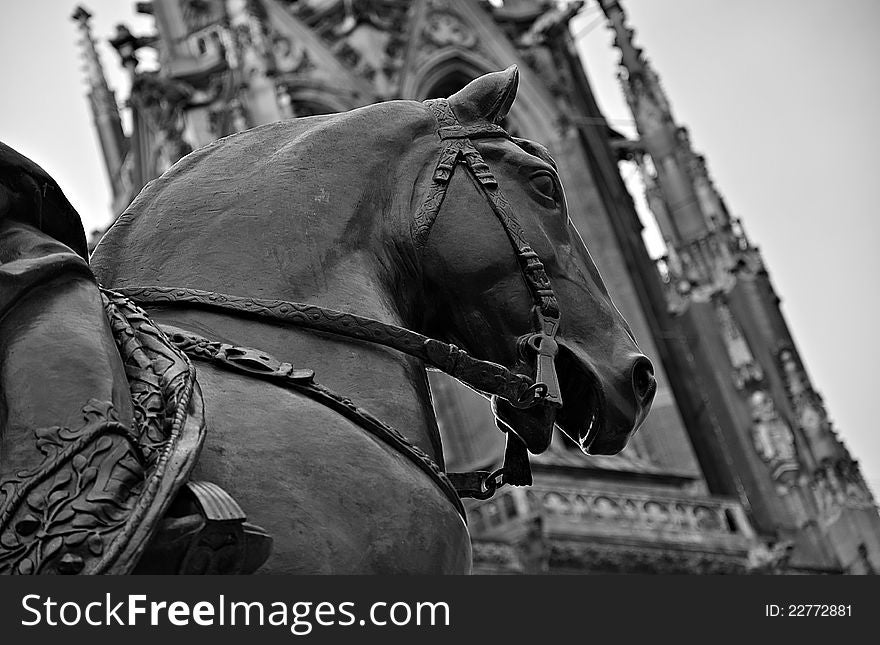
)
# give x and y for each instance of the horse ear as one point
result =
(488, 97)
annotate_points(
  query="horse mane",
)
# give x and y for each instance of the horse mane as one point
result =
(291, 198)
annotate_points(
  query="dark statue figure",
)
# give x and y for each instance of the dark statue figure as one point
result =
(235, 382)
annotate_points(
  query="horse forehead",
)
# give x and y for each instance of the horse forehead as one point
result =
(519, 152)
(535, 149)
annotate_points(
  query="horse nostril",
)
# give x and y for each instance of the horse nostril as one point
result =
(643, 381)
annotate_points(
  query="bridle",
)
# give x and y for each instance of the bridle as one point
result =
(485, 376)
(458, 148)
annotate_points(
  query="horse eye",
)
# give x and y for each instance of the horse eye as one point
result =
(545, 184)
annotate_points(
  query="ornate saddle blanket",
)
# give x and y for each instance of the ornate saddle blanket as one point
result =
(88, 499)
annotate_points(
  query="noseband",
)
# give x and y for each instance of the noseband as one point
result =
(487, 377)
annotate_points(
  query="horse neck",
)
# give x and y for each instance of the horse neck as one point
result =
(338, 252)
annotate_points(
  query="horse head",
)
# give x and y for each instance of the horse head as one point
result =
(476, 294)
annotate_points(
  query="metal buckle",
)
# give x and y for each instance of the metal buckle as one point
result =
(546, 348)
(252, 361)
(477, 484)
(533, 395)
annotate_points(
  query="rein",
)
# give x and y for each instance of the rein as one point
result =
(484, 376)
(487, 377)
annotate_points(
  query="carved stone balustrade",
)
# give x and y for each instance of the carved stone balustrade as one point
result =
(714, 533)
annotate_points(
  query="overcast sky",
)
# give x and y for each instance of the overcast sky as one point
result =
(782, 96)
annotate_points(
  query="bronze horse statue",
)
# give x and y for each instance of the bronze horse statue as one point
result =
(259, 343)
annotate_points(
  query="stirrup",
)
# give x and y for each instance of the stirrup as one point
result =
(205, 532)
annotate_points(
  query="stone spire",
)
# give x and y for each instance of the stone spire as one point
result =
(102, 101)
(706, 245)
(658, 130)
(257, 62)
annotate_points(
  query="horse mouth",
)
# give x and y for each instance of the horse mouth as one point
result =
(582, 417)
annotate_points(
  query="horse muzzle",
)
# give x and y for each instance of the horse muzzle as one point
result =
(604, 405)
